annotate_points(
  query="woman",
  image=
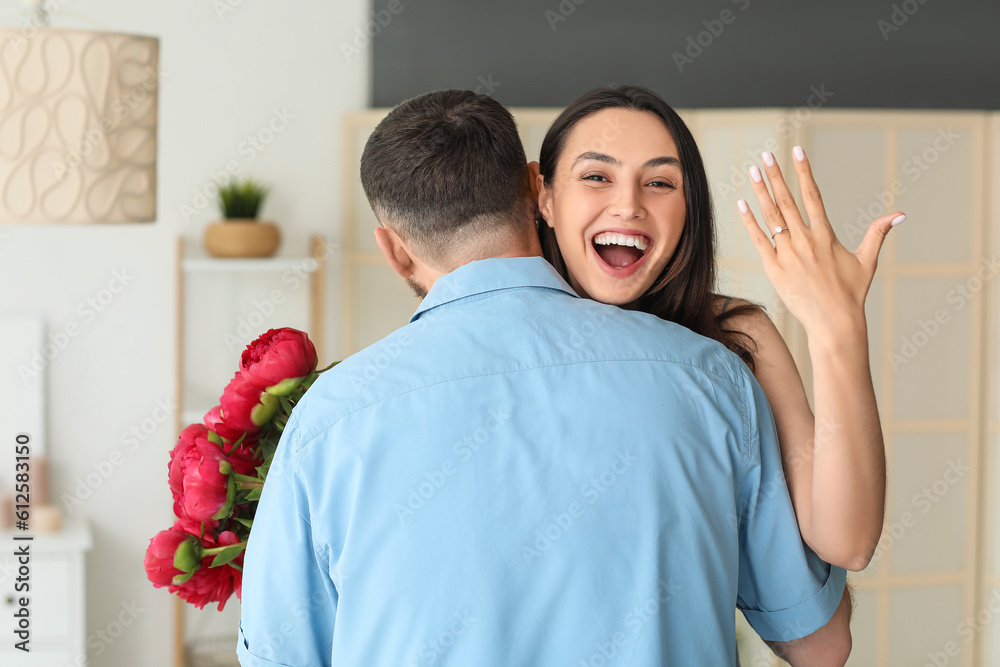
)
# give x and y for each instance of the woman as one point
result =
(626, 217)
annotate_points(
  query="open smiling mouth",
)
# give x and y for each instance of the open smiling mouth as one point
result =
(621, 254)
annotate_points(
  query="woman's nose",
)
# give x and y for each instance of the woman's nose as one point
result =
(627, 204)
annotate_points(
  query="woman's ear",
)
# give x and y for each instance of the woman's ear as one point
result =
(543, 195)
(534, 170)
(395, 251)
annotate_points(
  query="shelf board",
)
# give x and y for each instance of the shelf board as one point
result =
(264, 265)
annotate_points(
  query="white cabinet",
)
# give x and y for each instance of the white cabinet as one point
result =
(55, 597)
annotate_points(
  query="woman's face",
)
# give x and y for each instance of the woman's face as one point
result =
(616, 203)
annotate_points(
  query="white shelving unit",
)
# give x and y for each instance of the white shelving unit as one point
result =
(262, 288)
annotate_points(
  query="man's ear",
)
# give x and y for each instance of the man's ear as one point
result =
(543, 194)
(395, 251)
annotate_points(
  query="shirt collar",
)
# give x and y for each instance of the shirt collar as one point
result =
(489, 275)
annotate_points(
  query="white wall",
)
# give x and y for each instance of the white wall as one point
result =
(221, 80)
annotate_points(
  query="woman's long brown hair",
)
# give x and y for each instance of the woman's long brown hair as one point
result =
(684, 291)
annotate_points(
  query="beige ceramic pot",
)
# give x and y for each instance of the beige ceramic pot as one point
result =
(242, 238)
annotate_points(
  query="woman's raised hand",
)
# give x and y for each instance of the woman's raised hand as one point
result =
(823, 284)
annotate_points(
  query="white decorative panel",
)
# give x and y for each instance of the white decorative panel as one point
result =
(922, 623)
(931, 354)
(991, 503)
(77, 126)
(942, 158)
(931, 475)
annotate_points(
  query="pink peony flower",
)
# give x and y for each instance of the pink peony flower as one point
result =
(161, 555)
(199, 477)
(244, 409)
(214, 422)
(278, 361)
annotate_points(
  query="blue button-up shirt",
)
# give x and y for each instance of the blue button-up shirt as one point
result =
(520, 477)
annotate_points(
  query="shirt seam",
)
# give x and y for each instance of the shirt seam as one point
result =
(297, 449)
(745, 413)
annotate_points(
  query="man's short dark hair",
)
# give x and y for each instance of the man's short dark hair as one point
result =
(445, 163)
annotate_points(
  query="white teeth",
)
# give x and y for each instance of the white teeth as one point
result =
(612, 238)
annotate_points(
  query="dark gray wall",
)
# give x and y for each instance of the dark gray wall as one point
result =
(926, 54)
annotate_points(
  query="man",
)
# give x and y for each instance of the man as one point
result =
(520, 476)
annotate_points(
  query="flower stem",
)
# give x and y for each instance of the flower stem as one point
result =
(215, 550)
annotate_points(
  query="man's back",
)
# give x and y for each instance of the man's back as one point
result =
(522, 477)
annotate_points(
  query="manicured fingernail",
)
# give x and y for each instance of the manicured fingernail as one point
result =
(742, 205)
(799, 154)
(755, 174)
(898, 219)
(768, 158)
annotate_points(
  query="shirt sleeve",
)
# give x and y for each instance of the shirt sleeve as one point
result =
(288, 601)
(785, 590)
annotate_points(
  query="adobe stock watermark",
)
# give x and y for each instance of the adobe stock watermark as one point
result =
(922, 502)
(898, 17)
(607, 652)
(958, 297)
(562, 12)
(363, 36)
(463, 450)
(131, 439)
(913, 168)
(247, 151)
(294, 277)
(700, 42)
(783, 127)
(100, 641)
(966, 630)
(88, 310)
(224, 7)
(119, 111)
(560, 522)
(33, 20)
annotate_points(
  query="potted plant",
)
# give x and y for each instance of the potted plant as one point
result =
(240, 234)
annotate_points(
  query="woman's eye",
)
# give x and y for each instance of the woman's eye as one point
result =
(662, 184)
(597, 178)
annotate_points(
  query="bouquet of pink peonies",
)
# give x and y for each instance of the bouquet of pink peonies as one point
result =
(217, 470)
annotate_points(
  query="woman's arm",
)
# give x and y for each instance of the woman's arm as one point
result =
(835, 462)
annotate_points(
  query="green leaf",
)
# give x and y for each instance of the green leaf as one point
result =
(254, 494)
(227, 555)
(242, 199)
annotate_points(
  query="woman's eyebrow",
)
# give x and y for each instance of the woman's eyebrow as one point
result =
(604, 157)
(599, 157)
(662, 160)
